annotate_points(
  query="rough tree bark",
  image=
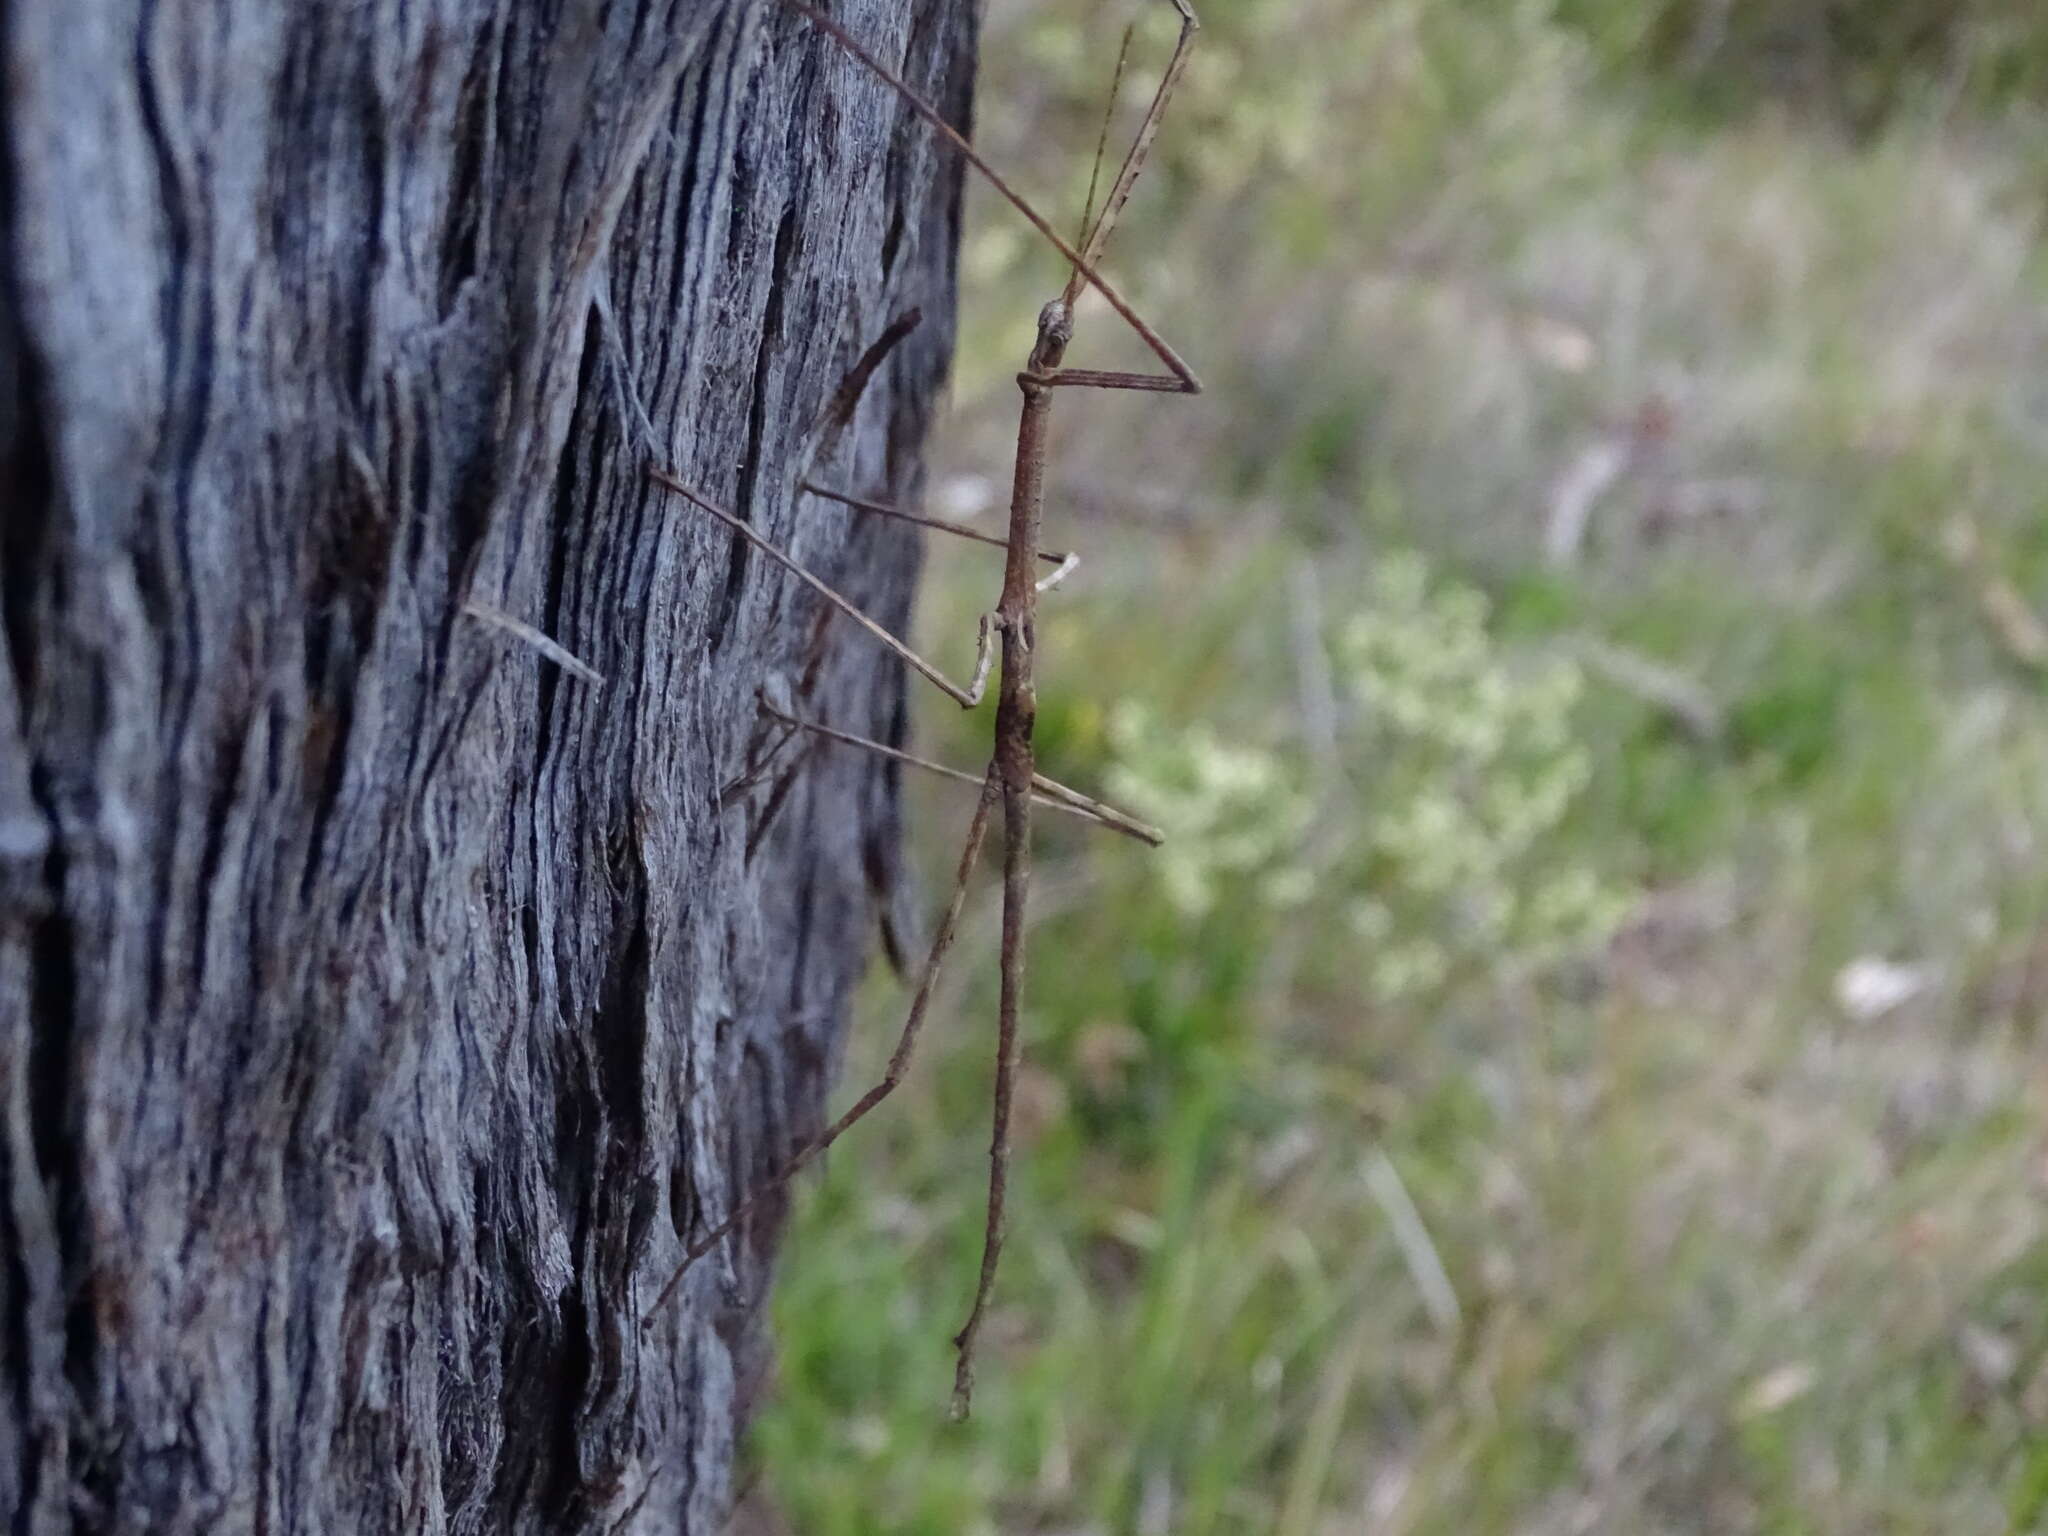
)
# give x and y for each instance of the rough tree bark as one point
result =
(380, 1005)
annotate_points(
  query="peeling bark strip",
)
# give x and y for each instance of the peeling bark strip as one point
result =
(379, 1000)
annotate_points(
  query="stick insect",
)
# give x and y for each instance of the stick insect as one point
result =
(1011, 776)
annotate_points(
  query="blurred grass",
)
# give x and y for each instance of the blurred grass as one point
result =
(1665, 1239)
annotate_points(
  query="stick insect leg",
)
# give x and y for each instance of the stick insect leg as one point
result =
(984, 654)
(1066, 563)
(777, 797)
(837, 414)
(758, 765)
(899, 1059)
(1047, 792)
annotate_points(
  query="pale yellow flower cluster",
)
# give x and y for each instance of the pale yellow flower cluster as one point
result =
(1444, 851)
(1230, 812)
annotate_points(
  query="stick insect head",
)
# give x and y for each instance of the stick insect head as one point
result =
(1055, 330)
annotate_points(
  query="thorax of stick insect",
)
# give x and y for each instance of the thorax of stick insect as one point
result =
(1018, 608)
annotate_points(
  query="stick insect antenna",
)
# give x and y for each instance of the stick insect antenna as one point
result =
(1116, 83)
(1135, 157)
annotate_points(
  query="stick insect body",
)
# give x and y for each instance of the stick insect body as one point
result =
(1011, 776)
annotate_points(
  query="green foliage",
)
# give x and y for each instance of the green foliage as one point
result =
(1474, 766)
(1437, 840)
(1862, 60)
(1231, 813)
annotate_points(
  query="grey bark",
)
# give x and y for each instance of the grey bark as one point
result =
(381, 1006)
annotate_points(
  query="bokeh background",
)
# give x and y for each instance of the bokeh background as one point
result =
(1578, 1067)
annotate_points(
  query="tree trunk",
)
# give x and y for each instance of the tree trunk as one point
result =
(382, 1005)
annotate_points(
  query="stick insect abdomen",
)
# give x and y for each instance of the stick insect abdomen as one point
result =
(1016, 715)
(1017, 611)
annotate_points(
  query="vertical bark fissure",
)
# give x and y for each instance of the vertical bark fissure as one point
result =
(748, 484)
